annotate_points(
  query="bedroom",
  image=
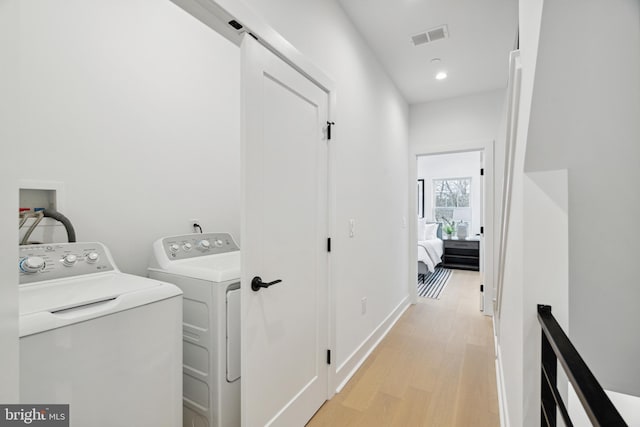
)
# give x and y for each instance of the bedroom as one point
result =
(450, 217)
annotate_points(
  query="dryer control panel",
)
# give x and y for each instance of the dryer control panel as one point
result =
(198, 244)
(60, 260)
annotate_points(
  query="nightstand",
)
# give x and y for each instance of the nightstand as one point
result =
(461, 254)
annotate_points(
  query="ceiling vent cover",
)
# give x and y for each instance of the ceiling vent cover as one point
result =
(431, 35)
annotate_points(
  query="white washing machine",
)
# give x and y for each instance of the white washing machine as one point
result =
(105, 342)
(207, 269)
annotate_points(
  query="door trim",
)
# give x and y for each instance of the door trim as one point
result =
(216, 14)
(486, 146)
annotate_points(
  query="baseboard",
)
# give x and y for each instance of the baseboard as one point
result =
(502, 397)
(349, 367)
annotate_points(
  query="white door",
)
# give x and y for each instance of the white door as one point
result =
(483, 265)
(284, 237)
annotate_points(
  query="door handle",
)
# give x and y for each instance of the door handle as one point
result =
(257, 283)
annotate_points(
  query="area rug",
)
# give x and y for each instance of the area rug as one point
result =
(433, 286)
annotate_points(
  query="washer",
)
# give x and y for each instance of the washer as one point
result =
(207, 269)
(105, 342)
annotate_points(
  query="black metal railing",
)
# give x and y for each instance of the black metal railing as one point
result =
(556, 346)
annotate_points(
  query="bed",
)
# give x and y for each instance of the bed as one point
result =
(430, 248)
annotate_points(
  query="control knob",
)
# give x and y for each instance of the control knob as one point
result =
(69, 260)
(187, 246)
(32, 264)
(92, 257)
(204, 244)
(174, 248)
(218, 243)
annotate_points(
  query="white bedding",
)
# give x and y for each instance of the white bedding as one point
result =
(430, 253)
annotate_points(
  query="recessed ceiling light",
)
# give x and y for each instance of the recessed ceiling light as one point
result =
(441, 75)
(435, 60)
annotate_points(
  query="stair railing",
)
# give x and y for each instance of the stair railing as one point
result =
(556, 347)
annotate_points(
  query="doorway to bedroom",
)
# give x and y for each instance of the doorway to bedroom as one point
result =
(450, 215)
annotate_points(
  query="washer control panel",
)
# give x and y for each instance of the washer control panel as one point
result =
(59, 260)
(198, 244)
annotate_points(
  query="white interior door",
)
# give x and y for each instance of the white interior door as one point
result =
(284, 235)
(483, 248)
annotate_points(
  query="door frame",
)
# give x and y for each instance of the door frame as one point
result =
(216, 14)
(425, 149)
(9, 131)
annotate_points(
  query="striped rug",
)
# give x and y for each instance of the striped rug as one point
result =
(433, 286)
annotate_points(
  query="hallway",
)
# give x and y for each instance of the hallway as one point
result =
(435, 368)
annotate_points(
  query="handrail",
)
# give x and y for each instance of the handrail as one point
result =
(556, 346)
(513, 101)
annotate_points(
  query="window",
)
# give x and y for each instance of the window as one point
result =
(452, 199)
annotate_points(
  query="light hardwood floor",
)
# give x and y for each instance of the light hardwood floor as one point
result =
(434, 368)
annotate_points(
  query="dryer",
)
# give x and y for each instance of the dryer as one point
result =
(206, 267)
(105, 342)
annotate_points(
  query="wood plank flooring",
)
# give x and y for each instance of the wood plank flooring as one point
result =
(434, 368)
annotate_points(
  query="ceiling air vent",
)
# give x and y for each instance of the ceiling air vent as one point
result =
(420, 39)
(431, 35)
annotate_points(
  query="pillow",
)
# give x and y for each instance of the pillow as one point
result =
(421, 229)
(431, 231)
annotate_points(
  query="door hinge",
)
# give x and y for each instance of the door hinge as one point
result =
(328, 357)
(329, 244)
(329, 124)
(481, 230)
(482, 172)
(481, 288)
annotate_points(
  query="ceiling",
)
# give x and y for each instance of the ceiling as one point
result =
(475, 56)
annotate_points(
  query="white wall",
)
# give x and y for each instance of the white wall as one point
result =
(512, 318)
(510, 333)
(455, 120)
(536, 272)
(577, 134)
(9, 17)
(135, 107)
(370, 169)
(545, 272)
(455, 165)
(584, 117)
